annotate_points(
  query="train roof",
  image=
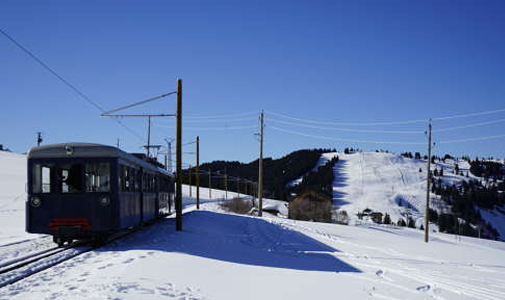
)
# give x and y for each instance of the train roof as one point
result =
(83, 150)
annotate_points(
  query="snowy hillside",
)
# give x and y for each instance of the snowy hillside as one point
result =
(226, 256)
(393, 184)
(12, 196)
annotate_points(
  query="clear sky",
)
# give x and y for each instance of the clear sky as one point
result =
(333, 61)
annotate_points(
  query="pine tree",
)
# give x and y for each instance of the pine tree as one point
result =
(387, 219)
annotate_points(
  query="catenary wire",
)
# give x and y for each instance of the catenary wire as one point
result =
(469, 125)
(345, 140)
(388, 123)
(215, 121)
(348, 123)
(347, 129)
(483, 113)
(221, 116)
(66, 82)
(211, 128)
(484, 138)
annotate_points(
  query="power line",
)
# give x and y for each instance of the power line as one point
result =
(490, 112)
(221, 116)
(347, 129)
(346, 140)
(211, 128)
(387, 123)
(492, 137)
(346, 123)
(469, 125)
(216, 121)
(66, 82)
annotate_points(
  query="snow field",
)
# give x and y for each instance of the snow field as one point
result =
(227, 256)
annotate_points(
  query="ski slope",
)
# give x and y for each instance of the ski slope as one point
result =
(381, 182)
(393, 184)
(220, 255)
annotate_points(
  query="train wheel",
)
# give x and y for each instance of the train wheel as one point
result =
(58, 240)
(99, 240)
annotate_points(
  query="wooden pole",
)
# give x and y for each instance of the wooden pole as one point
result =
(225, 186)
(197, 172)
(210, 184)
(148, 136)
(260, 170)
(238, 187)
(189, 174)
(178, 201)
(428, 172)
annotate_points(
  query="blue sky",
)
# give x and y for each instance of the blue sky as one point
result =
(335, 61)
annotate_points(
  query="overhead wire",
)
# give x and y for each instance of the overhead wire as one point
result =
(221, 116)
(345, 140)
(211, 128)
(216, 121)
(492, 137)
(348, 129)
(469, 125)
(389, 122)
(483, 113)
(66, 82)
(348, 123)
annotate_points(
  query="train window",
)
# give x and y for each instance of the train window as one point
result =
(70, 178)
(97, 177)
(138, 180)
(133, 175)
(127, 179)
(41, 180)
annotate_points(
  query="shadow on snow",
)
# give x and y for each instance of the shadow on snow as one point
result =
(237, 239)
(340, 181)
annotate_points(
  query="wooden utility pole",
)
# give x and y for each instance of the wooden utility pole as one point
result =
(428, 178)
(178, 200)
(225, 185)
(260, 170)
(197, 172)
(210, 184)
(238, 187)
(148, 136)
(168, 162)
(189, 174)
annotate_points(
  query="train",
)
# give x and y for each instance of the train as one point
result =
(85, 191)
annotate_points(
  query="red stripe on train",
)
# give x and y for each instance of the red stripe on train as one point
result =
(57, 222)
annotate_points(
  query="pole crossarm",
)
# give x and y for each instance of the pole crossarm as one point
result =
(137, 103)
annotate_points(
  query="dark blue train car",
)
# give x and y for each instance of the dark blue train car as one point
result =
(88, 191)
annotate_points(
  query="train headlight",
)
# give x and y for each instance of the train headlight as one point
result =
(35, 202)
(104, 201)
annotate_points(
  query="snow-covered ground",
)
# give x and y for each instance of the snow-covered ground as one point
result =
(393, 184)
(220, 255)
(12, 197)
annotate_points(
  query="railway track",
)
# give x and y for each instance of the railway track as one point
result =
(29, 265)
(21, 268)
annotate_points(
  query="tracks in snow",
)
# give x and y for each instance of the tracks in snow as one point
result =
(388, 267)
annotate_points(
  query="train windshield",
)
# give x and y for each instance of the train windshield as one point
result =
(42, 178)
(54, 177)
(70, 178)
(97, 177)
